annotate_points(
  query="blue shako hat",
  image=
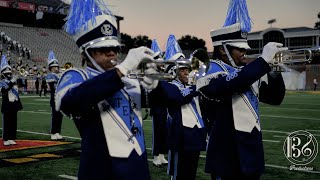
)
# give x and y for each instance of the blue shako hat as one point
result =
(5, 67)
(235, 30)
(236, 27)
(52, 61)
(155, 48)
(92, 25)
(173, 50)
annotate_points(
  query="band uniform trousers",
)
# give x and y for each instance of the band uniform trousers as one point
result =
(160, 132)
(9, 125)
(56, 116)
(183, 164)
(56, 120)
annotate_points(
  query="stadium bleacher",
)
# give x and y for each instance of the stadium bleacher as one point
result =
(41, 40)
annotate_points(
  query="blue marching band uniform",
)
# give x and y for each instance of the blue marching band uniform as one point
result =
(106, 109)
(186, 131)
(232, 89)
(105, 112)
(52, 79)
(234, 95)
(11, 103)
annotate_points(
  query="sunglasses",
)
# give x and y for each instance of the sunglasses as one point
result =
(106, 49)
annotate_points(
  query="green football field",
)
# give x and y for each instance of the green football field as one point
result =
(299, 111)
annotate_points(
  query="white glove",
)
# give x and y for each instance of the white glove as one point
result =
(148, 82)
(270, 50)
(133, 59)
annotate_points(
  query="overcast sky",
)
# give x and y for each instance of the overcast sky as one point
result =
(159, 18)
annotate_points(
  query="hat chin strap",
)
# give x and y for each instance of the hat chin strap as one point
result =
(93, 61)
(229, 56)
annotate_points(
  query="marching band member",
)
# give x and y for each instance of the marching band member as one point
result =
(158, 112)
(186, 133)
(233, 89)
(11, 103)
(102, 101)
(52, 79)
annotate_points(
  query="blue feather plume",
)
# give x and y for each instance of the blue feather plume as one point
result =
(155, 47)
(238, 12)
(51, 55)
(82, 11)
(4, 62)
(172, 47)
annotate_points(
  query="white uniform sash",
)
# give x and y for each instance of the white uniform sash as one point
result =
(13, 94)
(190, 112)
(245, 105)
(116, 113)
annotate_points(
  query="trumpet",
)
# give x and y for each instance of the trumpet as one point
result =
(66, 66)
(161, 75)
(290, 57)
(199, 64)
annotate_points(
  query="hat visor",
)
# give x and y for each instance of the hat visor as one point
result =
(106, 43)
(6, 71)
(54, 65)
(177, 56)
(183, 66)
(242, 45)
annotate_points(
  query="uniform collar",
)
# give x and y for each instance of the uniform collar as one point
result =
(92, 72)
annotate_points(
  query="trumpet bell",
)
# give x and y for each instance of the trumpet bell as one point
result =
(23, 72)
(199, 65)
(67, 66)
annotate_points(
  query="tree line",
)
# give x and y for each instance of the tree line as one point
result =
(186, 42)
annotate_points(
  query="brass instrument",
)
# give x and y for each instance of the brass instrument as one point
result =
(290, 57)
(140, 72)
(66, 66)
(23, 72)
(199, 64)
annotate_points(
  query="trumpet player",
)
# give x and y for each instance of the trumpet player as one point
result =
(186, 131)
(52, 80)
(103, 102)
(11, 103)
(232, 91)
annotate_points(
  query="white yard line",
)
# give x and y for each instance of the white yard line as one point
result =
(34, 112)
(29, 97)
(291, 117)
(272, 116)
(273, 131)
(294, 109)
(46, 134)
(68, 177)
(280, 136)
(284, 132)
(285, 117)
(272, 141)
(202, 156)
(40, 104)
(316, 130)
(300, 104)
